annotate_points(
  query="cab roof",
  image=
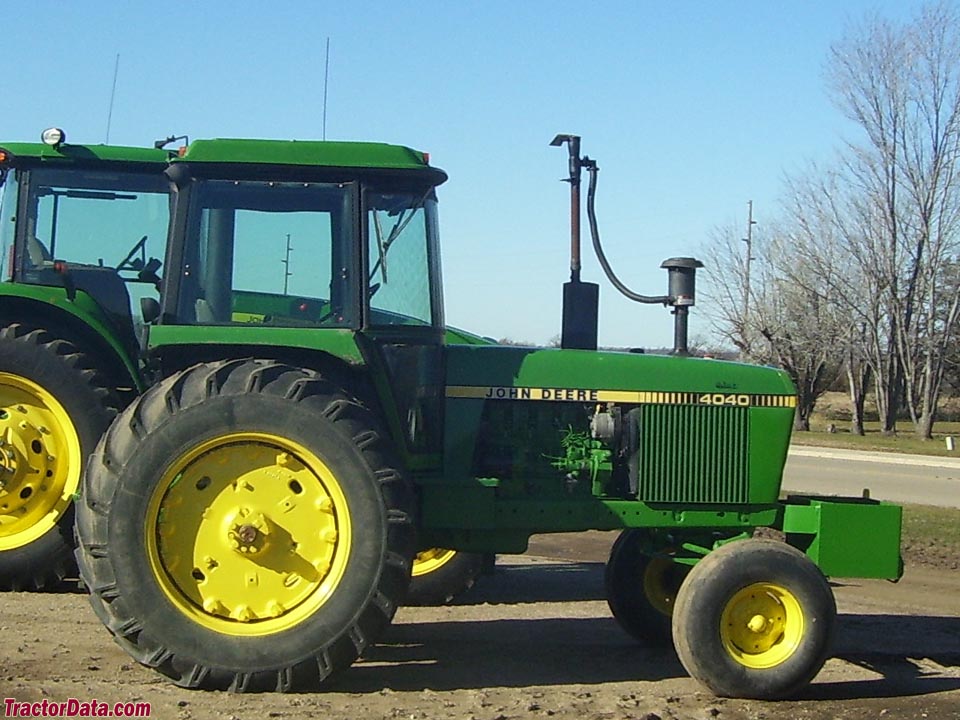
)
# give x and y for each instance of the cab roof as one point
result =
(84, 153)
(240, 152)
(311, 153)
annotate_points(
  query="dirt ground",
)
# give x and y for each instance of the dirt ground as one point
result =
(533, 640)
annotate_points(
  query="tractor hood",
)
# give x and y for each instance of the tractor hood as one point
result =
(580, 375)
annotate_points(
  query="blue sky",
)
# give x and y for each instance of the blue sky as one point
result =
(690, 108)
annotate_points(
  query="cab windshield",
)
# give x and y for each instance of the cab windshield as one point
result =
(403, 277)
(94, 217)
(267, 253)
(108, 226)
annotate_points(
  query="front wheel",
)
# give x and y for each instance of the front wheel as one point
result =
(244, 526)
(754, 619)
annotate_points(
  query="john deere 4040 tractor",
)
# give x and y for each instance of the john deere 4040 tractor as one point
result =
(249, 521)
(70, 355)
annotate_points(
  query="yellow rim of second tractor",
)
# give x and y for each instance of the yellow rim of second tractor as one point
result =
(431, 560)
(248, 533)
(762, 625)
(40, 461)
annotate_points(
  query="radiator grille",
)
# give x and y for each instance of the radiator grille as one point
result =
(693, 454)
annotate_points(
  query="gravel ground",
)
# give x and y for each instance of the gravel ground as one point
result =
(534, 640)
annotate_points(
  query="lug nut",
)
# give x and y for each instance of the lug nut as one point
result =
(247, 534)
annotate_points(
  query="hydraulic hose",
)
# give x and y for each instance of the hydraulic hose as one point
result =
(592, 168)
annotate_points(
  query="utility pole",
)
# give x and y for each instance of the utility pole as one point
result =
(746, 275)
(286, 265)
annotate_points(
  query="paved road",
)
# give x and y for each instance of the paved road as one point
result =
(895, 477)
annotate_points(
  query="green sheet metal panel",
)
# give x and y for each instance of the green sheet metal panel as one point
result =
(847, 537)
(337, 342)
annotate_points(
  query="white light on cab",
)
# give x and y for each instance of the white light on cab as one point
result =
(53, 136)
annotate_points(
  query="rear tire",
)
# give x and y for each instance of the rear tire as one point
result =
(54, 406)
(754, 619)
(440, 576)
(642, 588)
(245, 526)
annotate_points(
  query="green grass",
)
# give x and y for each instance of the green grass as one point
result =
(931, 536)
(834, 408)
(904, 441)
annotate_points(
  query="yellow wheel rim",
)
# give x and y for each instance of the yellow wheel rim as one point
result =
(40, 461)
(248, 533)
(661, 583)
(762, 625)
(431, 560)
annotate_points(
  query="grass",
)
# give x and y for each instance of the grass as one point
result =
(903, 442)
(834, 408)
(931, 536)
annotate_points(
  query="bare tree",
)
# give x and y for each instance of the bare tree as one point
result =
(787, 323)
(900, 85)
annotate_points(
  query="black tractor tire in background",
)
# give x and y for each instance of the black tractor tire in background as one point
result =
(55, 403)
(238, 471)
(451, 577)
(641, 588)
(754, 619)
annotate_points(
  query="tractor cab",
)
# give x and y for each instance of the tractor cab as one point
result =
(65, 210)
(326, 252)
(304, 235)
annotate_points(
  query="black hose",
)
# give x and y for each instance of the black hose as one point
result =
(592, 168)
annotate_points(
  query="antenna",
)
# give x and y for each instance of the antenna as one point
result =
(286, 265)
(326, 76)
(113, 94)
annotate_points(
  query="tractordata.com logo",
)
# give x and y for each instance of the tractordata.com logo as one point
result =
(74, 708)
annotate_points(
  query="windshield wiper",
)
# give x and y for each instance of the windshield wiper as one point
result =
(405, 215)
(84, 194)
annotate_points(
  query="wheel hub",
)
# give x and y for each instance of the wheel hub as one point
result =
(39, 460)
(762, 625)
(248, 534)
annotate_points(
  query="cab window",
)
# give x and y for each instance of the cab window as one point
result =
(267, 253)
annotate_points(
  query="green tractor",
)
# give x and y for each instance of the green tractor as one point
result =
(68, 339)
(251, 520)
(70, 326)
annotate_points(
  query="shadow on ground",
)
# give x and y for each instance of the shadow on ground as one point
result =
(472, 646)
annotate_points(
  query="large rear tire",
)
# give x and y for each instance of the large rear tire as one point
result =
(245, 526)
(754, 619)
(54, 406)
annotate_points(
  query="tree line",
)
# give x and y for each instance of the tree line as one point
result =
(858, 276)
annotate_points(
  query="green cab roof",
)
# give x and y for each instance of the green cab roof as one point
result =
(290, 153)
(85, 153)
(310, 153)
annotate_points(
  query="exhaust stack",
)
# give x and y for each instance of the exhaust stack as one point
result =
(581, 301)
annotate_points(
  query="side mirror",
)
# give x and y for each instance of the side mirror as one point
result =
(149, 309)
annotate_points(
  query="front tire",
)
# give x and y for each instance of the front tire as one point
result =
(53, 408)
(245, 526)
(754, 619)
